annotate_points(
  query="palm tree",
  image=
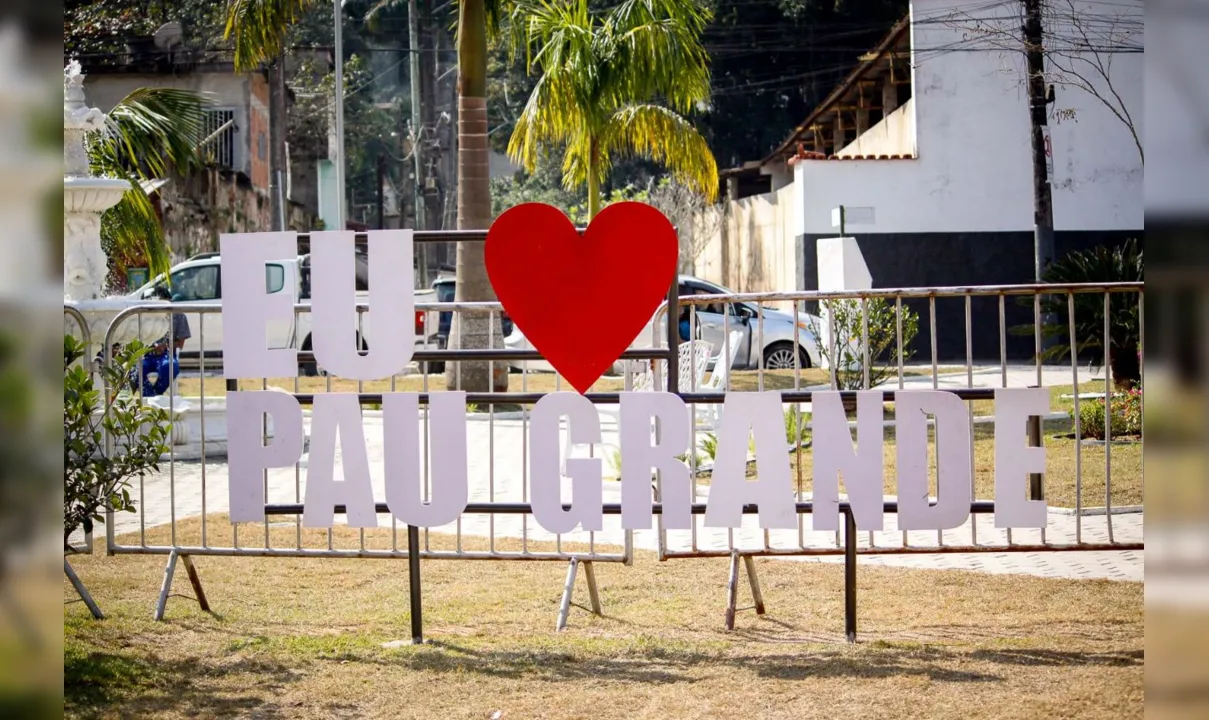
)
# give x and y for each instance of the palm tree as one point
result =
(476, 18)
(150, 133)
(602, 79)
(258, 28)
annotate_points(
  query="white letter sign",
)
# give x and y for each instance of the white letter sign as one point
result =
(338, 413)
(334, 299)
(1014, 459)
(953, 480)
(247, 307)
(401, 445)
(639, 455)
(834, 454)
(586, 492)
(248, 456)
(755, 414)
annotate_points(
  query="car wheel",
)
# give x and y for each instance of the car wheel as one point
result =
(779, 356)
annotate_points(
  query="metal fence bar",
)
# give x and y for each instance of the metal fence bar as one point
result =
(1108, 392)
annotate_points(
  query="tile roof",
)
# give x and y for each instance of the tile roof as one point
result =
(803, 154)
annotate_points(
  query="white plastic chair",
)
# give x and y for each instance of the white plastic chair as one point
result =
(693, 360)
(707, 415)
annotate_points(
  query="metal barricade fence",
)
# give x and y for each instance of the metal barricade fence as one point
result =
(1075, 523)
(179, 513)
(82, 332)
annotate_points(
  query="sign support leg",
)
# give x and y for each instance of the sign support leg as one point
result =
(593, 592)
(564, 607)
(732, 590)
(169, 570)
(82, 591)
(849, 575)
(413, 585)
(749, 563)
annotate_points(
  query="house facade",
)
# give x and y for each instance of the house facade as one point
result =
(230, 194)
(928, 142)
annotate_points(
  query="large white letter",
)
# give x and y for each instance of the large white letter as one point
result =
(639, 455)
(247, 455)
(338, 413)
(334, 299)
(757, 414)
(953, 480)
(247, 307)
(545, 483)
(1014, 460)
(834, 454)
(401, 443)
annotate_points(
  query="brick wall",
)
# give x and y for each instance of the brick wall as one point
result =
(258, 131)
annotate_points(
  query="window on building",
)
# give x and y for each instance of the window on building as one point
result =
(219, 129)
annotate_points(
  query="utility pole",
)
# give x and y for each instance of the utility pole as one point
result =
(277, 138)
(1043, 203)
(338, 9)
(381, 197)
(415, 49)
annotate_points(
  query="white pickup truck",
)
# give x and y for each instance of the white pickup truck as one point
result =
(199, 280)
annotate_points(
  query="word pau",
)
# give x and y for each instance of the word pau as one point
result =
(745, 417)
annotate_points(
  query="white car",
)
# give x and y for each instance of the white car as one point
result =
(767, 334)
(198, 280)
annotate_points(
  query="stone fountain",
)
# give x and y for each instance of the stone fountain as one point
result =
(85, 198)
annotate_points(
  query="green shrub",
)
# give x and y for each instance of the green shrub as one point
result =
(1125, 409)
(848, 323)
(93, 478)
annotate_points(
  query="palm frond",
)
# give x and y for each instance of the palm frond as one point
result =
(660, 134)
(258, 28)
(550, 117)
(600, 77)
(150, 132)
(132, 228)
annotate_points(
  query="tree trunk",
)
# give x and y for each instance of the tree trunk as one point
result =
(474, 209)
(1126, 367)
(593, 182)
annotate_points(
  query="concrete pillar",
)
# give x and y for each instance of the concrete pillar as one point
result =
(889, 97)
(818, 139)
(862, 121)
(841, 135)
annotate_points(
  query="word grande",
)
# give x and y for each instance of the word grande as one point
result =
(248, 308)
(755, 416)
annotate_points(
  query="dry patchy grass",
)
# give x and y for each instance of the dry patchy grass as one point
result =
(304, 638)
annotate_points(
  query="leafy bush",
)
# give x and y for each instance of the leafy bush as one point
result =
(1125, 409)
(848, 323)
(94, 479)
(1097, 265)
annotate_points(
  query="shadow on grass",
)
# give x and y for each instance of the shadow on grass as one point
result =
(93, 682)
(664, 665)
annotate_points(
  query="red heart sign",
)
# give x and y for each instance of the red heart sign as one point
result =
(581, 301)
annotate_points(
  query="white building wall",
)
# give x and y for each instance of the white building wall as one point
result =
(973, 172)
(892, 135)
(221, 89)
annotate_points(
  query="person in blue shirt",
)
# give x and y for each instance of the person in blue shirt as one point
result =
(686, 329)
(161, 360)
